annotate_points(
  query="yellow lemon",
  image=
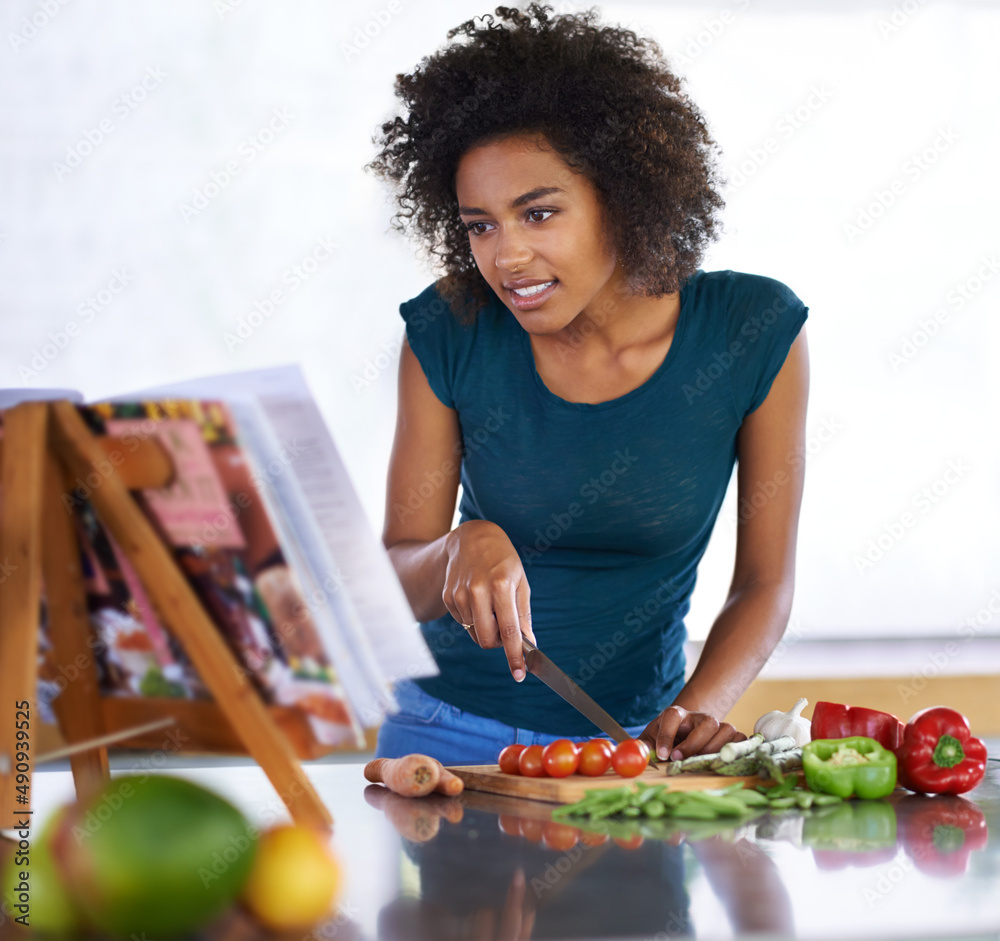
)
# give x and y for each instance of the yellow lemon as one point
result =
(295, 879)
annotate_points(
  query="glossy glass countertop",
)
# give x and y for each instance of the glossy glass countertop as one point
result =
(482, 866)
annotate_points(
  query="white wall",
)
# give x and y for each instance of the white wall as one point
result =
(875, 87)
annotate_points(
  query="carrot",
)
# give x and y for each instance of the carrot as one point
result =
(409, 776)
(448, 783)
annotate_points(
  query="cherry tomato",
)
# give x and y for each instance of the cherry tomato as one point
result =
(559, 836)
(595, 758)
(509, 824)
(607, 743)
(529, 762)
(508, 758)
(532, 829)
(630, 758)
(592, 838)
(560, 758)
(629, 843)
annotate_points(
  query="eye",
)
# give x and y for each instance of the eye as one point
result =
(473, 228)
(539, 215)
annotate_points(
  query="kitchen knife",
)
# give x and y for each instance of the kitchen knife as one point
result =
(541, 666)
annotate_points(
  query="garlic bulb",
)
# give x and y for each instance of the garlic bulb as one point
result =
(775, 724)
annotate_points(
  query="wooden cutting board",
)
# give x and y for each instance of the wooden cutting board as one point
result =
(567, 790)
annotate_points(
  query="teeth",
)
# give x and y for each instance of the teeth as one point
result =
(534, 289)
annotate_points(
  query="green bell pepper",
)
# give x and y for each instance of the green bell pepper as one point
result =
(856, 826)
(849, 767)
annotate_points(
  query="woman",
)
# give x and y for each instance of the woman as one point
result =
(588, 386)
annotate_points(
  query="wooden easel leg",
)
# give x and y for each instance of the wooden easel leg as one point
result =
(78, 703)
(20, 595)
(179, 607)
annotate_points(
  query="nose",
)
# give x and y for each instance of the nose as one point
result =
(513, 250)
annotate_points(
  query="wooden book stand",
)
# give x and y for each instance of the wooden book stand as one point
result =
(45, 446)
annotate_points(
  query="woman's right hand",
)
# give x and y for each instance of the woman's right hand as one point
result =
(485, 586)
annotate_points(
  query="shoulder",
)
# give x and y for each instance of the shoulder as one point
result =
(448, 349)
(738, 291)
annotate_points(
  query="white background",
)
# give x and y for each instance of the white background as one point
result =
(855, 99)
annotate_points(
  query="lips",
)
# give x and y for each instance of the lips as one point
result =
(531, 301)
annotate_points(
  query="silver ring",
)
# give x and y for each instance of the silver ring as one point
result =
(468, 627)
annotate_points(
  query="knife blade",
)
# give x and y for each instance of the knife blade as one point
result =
(559, 682)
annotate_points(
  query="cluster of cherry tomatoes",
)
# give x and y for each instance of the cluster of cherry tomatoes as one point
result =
(561, 758)
(561, 836)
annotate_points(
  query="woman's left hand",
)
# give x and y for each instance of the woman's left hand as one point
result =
(678, 733)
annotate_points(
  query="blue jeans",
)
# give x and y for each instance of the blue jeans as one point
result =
(428, 726)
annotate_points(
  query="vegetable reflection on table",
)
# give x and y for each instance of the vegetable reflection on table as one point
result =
(856, 833)
(508, 875)
(941, 833)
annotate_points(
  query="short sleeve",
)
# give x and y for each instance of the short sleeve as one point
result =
(441, 344)
(764, 318)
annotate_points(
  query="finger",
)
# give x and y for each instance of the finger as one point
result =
(670, 722)
(484, 624)
(509, 627)
(723, 736)
(523, 602)
(511, 916)
(697, 739)
(648, 734)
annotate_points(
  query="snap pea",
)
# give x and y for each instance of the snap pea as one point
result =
(780, 803)
(654, 808)
(632, 811)
(695, 809)
(751, 797)
(824, 800)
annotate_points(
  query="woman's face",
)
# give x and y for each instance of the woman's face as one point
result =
(536, 229)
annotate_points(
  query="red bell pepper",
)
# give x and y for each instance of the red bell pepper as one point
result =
(939, 755)
(832, 720)
(941, 833)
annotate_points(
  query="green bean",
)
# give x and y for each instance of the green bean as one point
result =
(824, 800)
(695, 809)
(751, 797)
(780, 803)
(654, 808)
(723, 805)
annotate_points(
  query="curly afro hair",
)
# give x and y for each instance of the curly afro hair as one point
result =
(606, 102)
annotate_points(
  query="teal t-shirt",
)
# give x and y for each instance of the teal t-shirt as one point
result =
(610, 505)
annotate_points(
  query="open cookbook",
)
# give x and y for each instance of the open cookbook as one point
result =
(263, 521)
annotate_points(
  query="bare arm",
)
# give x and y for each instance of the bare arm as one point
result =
(473, 571)
(422, 489)
(771, 449)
